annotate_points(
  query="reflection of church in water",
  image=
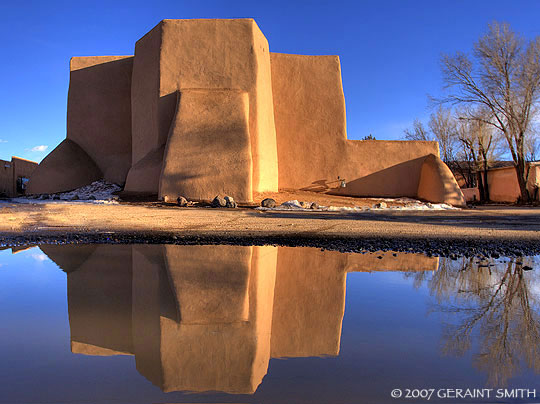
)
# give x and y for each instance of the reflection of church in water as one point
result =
(203, 318)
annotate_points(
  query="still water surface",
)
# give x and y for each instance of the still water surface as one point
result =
(219, 324)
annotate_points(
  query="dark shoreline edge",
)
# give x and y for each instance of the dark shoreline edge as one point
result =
(442, 247)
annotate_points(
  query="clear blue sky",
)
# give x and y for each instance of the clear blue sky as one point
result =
(389, 51)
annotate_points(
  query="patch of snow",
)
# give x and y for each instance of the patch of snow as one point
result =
(403, 199)
(410, 204)
(289, 205)
(98, 192)
(344, 208)
(421, 206)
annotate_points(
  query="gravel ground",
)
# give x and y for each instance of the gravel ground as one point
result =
(451, 248)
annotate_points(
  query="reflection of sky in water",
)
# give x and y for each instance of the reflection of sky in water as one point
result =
(393, 333)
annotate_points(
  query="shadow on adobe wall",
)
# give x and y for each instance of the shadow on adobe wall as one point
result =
(102, 88)
(322, 186)
(402, 179)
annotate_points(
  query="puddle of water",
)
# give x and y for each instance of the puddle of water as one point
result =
(209, 324)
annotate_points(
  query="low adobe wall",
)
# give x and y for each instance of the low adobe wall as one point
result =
(387, 168)
(66, 168)
(438, 184)
(504, 187)
(471, 194)
(313, 149)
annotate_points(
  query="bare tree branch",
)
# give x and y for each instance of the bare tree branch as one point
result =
(502, 78)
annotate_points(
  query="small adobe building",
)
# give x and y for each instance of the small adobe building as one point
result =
(204, 108)
(503, 184)
(14, 176)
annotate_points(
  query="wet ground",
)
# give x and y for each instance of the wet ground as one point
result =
(155, 323)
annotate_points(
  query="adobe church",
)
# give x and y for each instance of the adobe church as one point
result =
(204, 108)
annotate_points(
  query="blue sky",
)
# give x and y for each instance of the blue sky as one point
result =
(389, 52)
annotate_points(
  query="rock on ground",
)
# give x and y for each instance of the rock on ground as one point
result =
(219, 202)
(230, 202)
(181, 201)
(268, 203)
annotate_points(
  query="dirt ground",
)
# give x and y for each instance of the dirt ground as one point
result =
(285, 195)
(482, 223)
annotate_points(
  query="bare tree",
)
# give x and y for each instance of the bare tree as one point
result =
(503, 77)
(532, 147)
(466, 167)
(479, 144)
(442, 128)
(418, 132)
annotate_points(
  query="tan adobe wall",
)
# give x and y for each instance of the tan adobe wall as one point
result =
(209, 151)
(11, 171)
(471, 194)
(145, 100)
(6, 178)
(385, 167)
(66, 168)
(309, 113)
(503, 185)
(99, 112)
(235, 57)
(313, 150)
(22, 168)
(534, 182)
(438, 184)
(151, 115)
(98, 142)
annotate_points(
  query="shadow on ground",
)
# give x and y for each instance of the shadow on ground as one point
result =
(503, 219)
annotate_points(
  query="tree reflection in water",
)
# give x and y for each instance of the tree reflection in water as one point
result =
(490, 307)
